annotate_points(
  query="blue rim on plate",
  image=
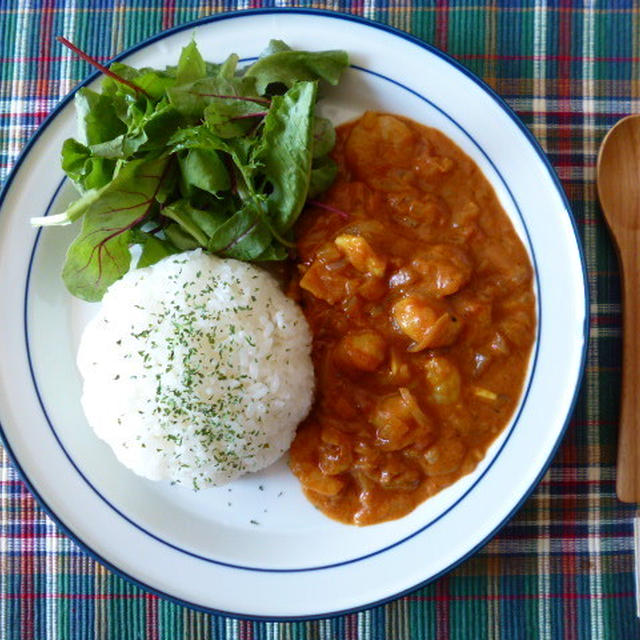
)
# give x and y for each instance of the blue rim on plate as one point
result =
(559, 189)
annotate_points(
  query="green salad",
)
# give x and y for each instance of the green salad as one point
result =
(195, 155)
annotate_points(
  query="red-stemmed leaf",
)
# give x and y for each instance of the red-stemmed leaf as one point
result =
(94, 63)
(100, 253)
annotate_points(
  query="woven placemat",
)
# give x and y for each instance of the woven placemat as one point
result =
(562, 568)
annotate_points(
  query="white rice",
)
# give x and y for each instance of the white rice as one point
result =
(196, 370)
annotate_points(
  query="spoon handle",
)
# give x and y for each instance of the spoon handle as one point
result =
(628, 468)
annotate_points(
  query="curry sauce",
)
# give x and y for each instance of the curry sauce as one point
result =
(420, 297)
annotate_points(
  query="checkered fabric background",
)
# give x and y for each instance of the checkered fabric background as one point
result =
(563, 566)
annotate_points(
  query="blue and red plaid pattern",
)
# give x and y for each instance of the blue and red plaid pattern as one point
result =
(563, 567)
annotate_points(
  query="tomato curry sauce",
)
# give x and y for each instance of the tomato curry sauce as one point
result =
(419, 294)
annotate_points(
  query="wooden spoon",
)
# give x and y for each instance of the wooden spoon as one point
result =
(619, 192)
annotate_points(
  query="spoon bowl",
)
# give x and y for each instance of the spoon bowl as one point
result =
(618, 176)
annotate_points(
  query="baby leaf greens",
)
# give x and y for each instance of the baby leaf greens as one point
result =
(195, 155)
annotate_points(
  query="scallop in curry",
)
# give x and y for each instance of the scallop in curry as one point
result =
(420, 296)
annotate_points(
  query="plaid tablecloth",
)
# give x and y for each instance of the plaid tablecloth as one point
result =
(562, 568)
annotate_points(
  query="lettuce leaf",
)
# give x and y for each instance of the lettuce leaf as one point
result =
(287, 67)
(286, 150)
(198, 154)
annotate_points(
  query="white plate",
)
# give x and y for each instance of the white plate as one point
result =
(257, 548)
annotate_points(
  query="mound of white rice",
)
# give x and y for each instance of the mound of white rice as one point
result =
(196, 370)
